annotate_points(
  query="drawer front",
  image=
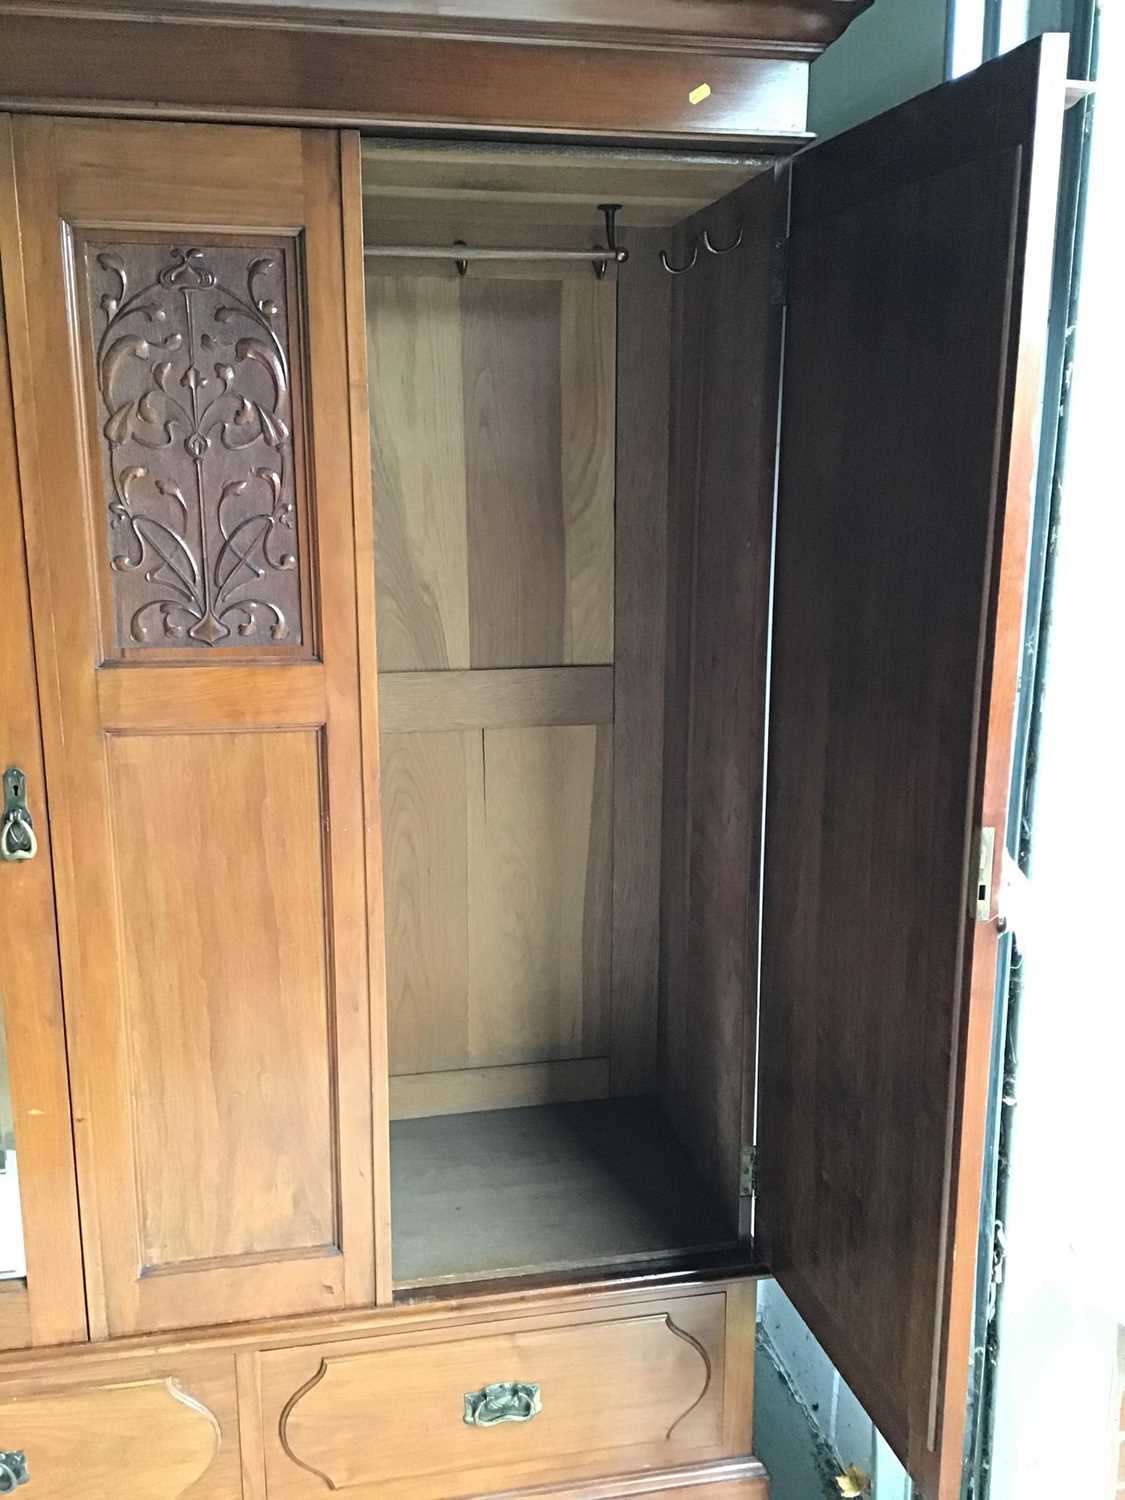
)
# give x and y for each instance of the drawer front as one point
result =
(140, 1435)
(458, 1412)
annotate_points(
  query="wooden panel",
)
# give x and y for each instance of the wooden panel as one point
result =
(418, 458)
(154, 1435)
(391, 1420)
(905, 482)
(539, 931)
(415, 701)
(794, 25)
(492, 410)
(426, 783)
(724, 436)
(435, 186)
(197, 365)
(51, 1307)
(641, 570)
(587, 352)
(191, 698)
(520, 1084)
(513, 454)
(498, 860)
(367, 668)
(560, 1188)
(227, 1001)
(245, 838)
(355, 77)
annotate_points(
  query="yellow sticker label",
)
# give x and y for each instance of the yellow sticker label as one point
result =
(699, 93)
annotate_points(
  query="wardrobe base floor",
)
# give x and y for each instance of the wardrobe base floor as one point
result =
(550, 1188)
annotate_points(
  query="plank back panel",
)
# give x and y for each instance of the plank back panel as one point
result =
(901, 548)
(213, 922)
(493, 433)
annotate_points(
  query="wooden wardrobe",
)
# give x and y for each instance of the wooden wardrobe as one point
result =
(515, 568)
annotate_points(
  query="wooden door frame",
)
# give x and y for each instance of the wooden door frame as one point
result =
(51, 1309)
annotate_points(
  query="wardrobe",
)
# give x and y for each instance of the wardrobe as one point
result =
(516, 566)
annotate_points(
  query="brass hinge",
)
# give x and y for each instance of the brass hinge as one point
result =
(748, 1178)
(986, 852)
(779, 273)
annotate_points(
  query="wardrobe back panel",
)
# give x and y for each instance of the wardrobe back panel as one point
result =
(492, 414)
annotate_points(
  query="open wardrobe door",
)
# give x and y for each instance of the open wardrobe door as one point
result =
(919, 264)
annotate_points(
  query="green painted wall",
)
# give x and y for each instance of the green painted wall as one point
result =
(893, 50)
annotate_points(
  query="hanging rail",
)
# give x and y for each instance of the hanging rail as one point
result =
(599, 255)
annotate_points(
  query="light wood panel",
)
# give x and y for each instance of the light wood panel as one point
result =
(427, 780)
(556, 1188)
(50, 1308)
(232, 1106)
(133, 961)
(390, 1420)
(515, 1086)
(415, 701)
(539, 929)
(164, 1437)
(418, 472)
(432, 184)
(492, 418)
(497, 849)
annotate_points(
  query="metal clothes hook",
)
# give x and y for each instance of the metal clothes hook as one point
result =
(714, 249)
(616, 252)
(462, 265)
(680, 270)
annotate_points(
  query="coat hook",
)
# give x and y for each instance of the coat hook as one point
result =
(680, 270)
(462, 265)
(714, 249)
(616, 252)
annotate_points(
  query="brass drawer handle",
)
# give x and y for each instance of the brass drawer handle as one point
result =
(13, 1471)
(506, 1401)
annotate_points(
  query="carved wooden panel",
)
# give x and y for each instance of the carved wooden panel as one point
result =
(196, 426)
(390, 1421)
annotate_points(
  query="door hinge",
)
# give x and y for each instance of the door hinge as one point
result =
(748, 1177)
(779, 273)
(986, 852)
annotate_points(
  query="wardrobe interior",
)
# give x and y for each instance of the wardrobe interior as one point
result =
(571, 623)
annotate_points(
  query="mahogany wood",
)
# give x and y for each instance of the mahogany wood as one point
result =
(51, 1308)
(379, 80)
(786, 27)
(919, 262)
(261, 824)
(725, 347)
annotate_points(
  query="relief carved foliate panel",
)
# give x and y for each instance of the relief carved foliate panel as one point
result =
(195, 428)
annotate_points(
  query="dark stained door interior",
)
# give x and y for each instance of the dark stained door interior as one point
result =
(919, 258)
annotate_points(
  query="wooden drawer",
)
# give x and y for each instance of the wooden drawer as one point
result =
(93, 1428)
(618, 1389)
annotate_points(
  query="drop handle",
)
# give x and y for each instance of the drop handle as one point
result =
(505, 1401)
(13, 1471)
(17, 836)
